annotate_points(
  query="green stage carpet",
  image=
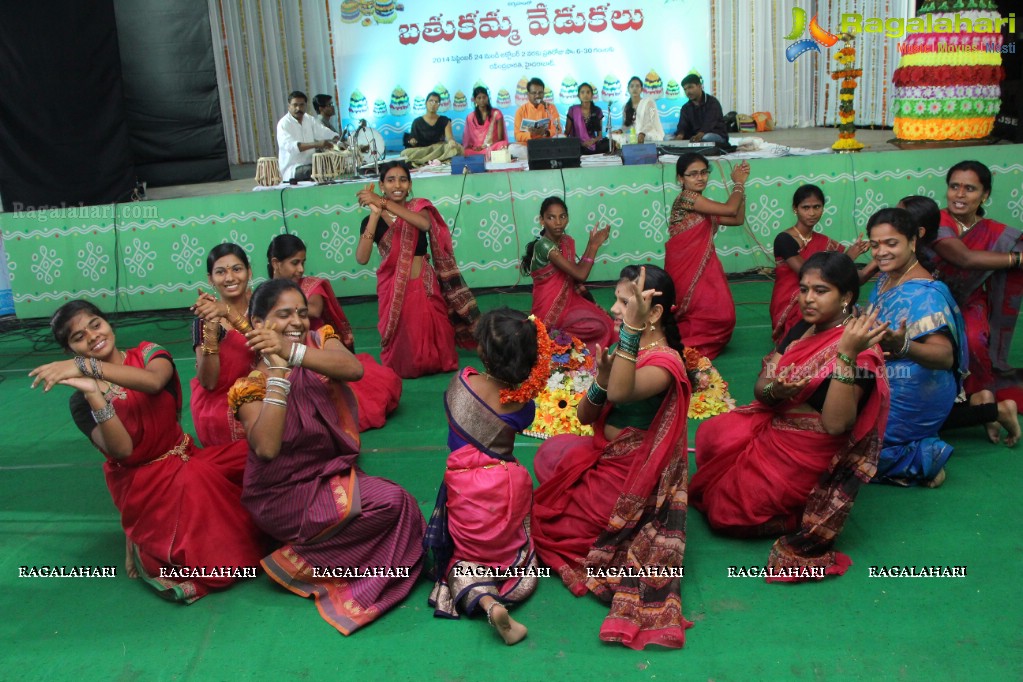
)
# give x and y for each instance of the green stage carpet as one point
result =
(57, 512)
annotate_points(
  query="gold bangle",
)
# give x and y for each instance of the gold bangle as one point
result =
(368, 235)
(625, 356)
(632, 329)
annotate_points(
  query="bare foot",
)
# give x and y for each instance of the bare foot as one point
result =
(938, 479)
(1007, 418)
(993, 432)
(511, 631)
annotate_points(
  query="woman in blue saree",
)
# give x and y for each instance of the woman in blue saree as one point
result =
(926, 353)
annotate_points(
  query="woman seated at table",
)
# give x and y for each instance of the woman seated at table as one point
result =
(180, 505)
(379, 389)
(302, 483)
(431, 138)
(980, 261)
(926, 348)
(616, 501)
(640, 115)
(793, 461)
(792, 247)
(484, 127)
(586, 122)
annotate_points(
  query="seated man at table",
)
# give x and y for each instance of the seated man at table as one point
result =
(535, 109)
(298, 138)
(323, 105)
(701, 118)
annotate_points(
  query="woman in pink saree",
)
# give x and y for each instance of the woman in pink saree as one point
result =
(484, 127)
(478, 535)
(705, 310)
(425, 309)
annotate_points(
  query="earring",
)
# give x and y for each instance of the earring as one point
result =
(845, 308)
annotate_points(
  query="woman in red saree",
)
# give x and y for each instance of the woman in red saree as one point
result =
(792, 247)
(379, 389)
(610, 512)
(704, 310)
(187, 532)
(218, 339)
(793, 461)
(560, 299)
(979, 259)
(478, 536)
(425, 310)
(352, 542)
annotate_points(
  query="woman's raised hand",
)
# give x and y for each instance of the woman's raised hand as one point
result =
(367, 196)
(861, 333)
(640, 301)
(858, 247)
(894, 340)
(599, 235)
(265, 339)
(741, 173)
(53, 373)
(208, 308)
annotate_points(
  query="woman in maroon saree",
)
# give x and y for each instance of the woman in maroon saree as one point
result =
(979, 259)
(222, 355)
(350, 541)
(425, 310)
(187, 532)
(792, 247)
(613, 506)
(560, 299)
(705, 310)
(793, 461)
(379, 389)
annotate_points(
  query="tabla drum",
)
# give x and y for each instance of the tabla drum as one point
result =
(369, 144)
(326, 167)
(268, 172)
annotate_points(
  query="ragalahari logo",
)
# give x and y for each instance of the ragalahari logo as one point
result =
(819, 36)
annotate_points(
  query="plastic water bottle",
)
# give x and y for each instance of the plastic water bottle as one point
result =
(633, 137)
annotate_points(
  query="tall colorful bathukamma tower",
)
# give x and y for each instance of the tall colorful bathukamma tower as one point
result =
(947, 86)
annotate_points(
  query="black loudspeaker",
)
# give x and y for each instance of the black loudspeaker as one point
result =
(546, 153)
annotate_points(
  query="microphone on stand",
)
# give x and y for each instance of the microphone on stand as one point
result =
(610, 140)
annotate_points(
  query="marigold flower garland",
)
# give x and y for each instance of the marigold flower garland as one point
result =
(537, 379)
(846, 114)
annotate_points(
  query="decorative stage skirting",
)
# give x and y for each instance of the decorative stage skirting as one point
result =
(152, 256)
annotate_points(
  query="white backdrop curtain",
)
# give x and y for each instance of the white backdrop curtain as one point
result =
(267, 48)
(750, 72)
(264, 49)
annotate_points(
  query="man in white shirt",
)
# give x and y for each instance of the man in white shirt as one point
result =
(298, 138)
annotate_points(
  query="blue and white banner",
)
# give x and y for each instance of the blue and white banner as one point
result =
(389, 55)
